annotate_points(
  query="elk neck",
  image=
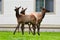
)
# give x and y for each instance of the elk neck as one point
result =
(43, 14)
(17, 13)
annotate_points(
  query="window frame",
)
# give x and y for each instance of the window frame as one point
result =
(54, 7)
(2, 7)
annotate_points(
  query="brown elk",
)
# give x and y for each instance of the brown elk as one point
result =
(39, 17)
(22, 19)
(23, 13)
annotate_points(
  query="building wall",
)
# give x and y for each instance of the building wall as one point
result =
(8, 14)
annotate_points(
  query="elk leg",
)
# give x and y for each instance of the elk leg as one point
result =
(34, 28)
(29, 28)
(16, 28)
(38, 29)
(22, 29)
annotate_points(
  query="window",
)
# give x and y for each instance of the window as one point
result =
(48, 4)
(0, 6)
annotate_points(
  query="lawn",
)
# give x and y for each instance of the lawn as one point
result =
(26, 36)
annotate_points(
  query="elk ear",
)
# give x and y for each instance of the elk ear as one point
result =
(25, 8)
(15, 7)
(22, 8)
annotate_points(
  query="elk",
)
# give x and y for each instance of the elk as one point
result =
(22, 19)
(23, 13)
(39, 18)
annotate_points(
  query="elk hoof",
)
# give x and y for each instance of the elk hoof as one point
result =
(13, 33)
(22, 33)
(39, 34)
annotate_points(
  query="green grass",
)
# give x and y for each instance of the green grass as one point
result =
(26, 36)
